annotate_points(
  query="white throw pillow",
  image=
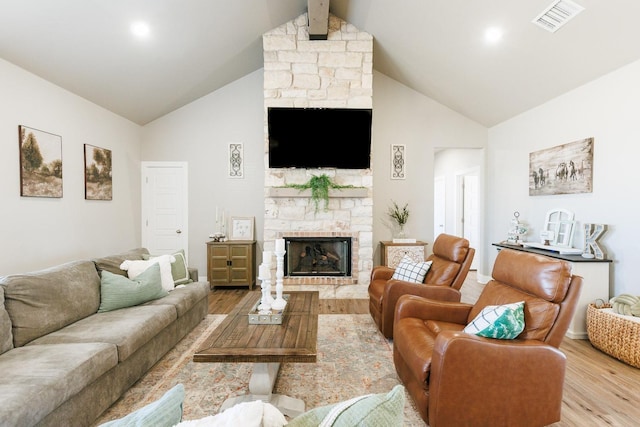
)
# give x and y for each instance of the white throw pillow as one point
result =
(409, 271)
(135, 267)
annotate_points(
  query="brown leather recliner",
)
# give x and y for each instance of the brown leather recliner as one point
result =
(451, 260)
(459, 379)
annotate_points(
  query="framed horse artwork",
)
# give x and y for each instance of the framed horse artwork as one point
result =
(563, 169)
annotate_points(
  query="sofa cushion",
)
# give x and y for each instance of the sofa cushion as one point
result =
(498, 321)
(384, 409)
(410, 271)
(6, 338)
(119, 292)
(164, 412)
(44, 301)
(128, 328)
(183, 298)
(112, 263)
(36, 379)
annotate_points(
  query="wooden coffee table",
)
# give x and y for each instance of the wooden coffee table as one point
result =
(266, 346)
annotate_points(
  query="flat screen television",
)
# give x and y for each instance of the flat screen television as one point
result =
(310, 138)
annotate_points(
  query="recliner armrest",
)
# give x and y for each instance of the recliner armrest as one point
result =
(475, 378)
(397, 288)
(430, 309)
(382, 272)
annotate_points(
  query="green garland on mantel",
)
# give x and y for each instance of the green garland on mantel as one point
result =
(319, 185)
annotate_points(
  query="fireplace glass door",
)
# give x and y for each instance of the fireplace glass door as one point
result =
(317, 256)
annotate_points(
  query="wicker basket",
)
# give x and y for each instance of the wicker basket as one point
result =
(614, 334)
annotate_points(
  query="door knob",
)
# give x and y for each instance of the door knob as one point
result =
(178, 231)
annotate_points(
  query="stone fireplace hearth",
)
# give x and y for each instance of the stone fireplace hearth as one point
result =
(332, 73)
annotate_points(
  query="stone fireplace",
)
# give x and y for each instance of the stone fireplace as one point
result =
(332, 73)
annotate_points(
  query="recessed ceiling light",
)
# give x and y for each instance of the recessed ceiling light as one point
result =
(493, 35)
(140, 29)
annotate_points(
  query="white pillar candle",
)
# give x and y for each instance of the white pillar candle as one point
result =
(264, 271)
(279, 245)
(266, 257)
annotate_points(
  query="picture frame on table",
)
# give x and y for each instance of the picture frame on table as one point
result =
(241, 228)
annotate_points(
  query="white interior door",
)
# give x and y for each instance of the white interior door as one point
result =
(165, 207)
(439, 205)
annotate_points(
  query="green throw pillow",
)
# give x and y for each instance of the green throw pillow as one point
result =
(504, 322)
(385, 409)
(179, 269)
(165, 412)
(118, 291)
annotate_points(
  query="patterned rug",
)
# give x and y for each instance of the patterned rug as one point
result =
(353, 359)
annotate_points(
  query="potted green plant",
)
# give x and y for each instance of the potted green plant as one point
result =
(319, 185)
(400, 216)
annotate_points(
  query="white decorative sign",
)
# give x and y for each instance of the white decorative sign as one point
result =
(592, 232)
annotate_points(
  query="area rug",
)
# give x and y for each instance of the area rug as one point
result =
(353, 359)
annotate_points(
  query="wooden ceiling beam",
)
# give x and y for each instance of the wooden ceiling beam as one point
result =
(318, 19)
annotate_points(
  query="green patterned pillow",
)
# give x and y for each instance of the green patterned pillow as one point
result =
(179, 269)
(385, 409)
(118, 291)
(503, 322)
(165, 412)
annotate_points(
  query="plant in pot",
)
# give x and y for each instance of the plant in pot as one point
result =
(400, 216)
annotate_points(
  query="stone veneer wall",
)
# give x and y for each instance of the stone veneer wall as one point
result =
(335, 73)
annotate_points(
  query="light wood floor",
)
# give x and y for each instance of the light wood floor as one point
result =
(599, 390)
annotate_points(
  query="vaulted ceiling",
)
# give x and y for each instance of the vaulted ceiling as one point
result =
(435, 47)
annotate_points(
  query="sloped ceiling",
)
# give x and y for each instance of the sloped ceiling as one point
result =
(432, 46)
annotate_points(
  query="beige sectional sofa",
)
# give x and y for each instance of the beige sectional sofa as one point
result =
(62, 362)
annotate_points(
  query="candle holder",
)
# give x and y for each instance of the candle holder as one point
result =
(279, 303)
(265, 277)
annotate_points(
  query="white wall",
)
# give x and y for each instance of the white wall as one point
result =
(403, 116)
(42, 232)
(199, 134)
(605, 109)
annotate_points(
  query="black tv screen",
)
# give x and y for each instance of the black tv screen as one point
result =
(319, 138)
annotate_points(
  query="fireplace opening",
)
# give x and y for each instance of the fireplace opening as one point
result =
(317, 256)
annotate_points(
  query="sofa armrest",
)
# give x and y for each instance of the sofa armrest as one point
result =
(476, 373)
(193, 273)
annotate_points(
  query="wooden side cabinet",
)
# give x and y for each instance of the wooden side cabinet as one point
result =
(392, 253)
(231, 263)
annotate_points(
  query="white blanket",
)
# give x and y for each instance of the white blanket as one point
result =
(245, 414)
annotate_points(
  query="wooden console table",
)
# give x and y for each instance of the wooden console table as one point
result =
(595, 274)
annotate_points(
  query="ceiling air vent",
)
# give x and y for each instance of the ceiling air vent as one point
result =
(557, 14)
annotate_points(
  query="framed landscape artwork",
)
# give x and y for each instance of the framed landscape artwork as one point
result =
(564, 169)
(98, 183)
(40, 163)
